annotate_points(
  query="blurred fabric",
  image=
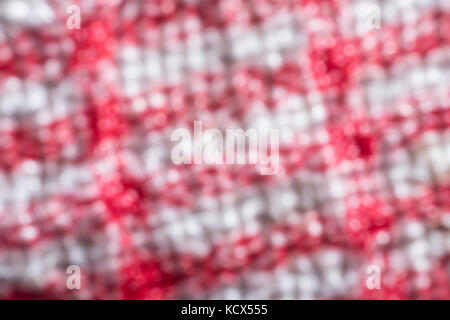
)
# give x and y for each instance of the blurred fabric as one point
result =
(86, 177)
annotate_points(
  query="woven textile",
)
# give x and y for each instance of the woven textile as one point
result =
(86, 176)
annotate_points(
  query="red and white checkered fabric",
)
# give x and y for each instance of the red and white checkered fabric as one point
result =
(85, 171)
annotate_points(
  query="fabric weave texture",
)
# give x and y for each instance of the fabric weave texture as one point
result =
(86, 176)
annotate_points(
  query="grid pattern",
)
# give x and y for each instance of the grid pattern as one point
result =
(86, 177)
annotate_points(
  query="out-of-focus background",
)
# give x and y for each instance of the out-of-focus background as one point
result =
(360, 91)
